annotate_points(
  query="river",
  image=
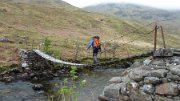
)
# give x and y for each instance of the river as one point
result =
(96, 81)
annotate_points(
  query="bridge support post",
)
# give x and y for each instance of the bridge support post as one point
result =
(155, 37)
(164, 44)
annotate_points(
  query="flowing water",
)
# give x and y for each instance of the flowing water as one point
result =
(96, 80)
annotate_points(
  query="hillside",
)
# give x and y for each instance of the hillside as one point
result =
(142, 14)
(69, 31)
(50, 3)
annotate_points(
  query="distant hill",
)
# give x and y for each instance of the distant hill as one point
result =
(141, 14)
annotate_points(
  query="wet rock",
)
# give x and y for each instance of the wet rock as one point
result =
(20, 91)
(32, 75)
(14, 70)
(151, 80)
(172, 77)
(4, 72)
(148, 88)
(167, 89)
(113, 90)
(103, 98)
(25, 76)
(175, 70)
(115, 80)
(38, 87)
(35, 78)
(8, 79)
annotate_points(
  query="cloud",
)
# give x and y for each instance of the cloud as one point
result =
(165, 4)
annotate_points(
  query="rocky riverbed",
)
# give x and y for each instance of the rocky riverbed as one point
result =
(153, 80)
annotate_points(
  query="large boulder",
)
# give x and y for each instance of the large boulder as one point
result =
(175, 70)
(167, 89)
(138, 74)
(114, 90)
(173, 77)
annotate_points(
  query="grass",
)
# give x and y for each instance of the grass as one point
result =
(28, 26)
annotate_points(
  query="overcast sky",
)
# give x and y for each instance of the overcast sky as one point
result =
(165, 4)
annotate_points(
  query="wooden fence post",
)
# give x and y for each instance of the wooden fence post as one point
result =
(76, 49)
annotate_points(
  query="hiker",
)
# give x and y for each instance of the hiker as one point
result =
(96, 45)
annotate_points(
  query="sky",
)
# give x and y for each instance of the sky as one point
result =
(162, 4)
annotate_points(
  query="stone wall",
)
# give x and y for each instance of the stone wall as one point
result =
(155, 80)
(30, 59)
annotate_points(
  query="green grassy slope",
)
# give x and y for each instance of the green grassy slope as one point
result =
(142, 14)
(28, 25)
(51, 3)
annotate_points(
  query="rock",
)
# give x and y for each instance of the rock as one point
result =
(164, 80)
(148, 88)
(132, 86)
(24, 65)
(158, 62)
(172, 77)
(138, 74)
(167, 89)
(147, 62)
(4, 72)
(175, 70)
(151, 80)
(8, 79)
(115, 80)
(162, 52)
(25, 76)
(178, 86)
(177, 98)
(160, 98)
(123, 98)
(136, 64)
(103, 98)
(35, 78)
(113, 90)
(160, 73)
(140, 96)
(4, 40)
(14, 70)
(38, 87)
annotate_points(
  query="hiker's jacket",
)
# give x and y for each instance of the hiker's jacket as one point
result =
(91, 43)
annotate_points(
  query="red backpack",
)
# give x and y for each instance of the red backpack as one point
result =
(97, 43)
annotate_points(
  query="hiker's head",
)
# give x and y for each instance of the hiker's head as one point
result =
(97, 37)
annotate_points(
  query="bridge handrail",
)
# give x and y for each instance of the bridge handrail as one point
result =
(52, 59)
